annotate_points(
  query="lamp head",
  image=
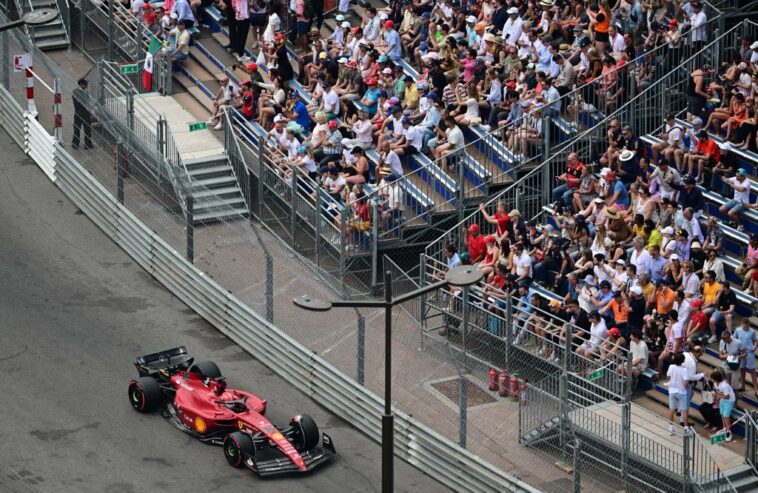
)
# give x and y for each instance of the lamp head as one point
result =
(313, 304)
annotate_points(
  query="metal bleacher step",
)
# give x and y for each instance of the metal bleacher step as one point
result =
(191, 104)
(440, 203)
(220, 215)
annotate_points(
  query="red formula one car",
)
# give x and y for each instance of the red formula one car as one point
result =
(195, 399)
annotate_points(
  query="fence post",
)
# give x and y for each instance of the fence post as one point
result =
(120, 170)
(190, 228)
(464, 326)
(130, 108)
(293, 206)
(261, 148)
(546, 143)
(577, 466)
(111, 32)
(361, 349)
(139, 35)
(6, 61)
(317, 227)
(57, 110)
(374, 245)
(686, 451)
(461, 192)
(508, 327)
(269, 288)
(462, 410)
(563, 410)
(343, 249)
(422, 301)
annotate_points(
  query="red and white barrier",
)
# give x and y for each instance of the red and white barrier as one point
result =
(30, 106)
(57, 110)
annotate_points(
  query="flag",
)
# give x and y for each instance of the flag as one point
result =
(147, 70)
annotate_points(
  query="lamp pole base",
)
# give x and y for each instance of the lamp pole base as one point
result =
(388, 453)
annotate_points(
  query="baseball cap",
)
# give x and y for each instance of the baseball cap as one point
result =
(345, 24)
(339, 18)
(474, 228)
(668, 230)
(371, 81)
(512, 10)
(487, 239)
(471, 19)
(697, 304)
(252, 67)
(389, 24)
(405, 120)
(383, 58)
(754, 46)
(605, 284)
(636, 290)
(302, 150)
(697, 121)
(674, 256)
(352, 63)
(584, 42)
(554, 304)
(594, 314)
(589, 280)
(741, 172)
(342, 61)
(615, 332)
(610, 175)
(333, 124)
(279, 118)
(725, 146)
(387, 70)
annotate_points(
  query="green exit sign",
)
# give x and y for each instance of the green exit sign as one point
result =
(198, 126)
(596, 374)
(129, 69)
(718, 437)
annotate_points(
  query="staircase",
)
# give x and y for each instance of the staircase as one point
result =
(215, 192)
(51, 36)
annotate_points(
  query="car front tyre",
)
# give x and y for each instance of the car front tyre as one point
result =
(237, 446)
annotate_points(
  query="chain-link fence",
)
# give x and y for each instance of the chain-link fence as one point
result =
(443, 379)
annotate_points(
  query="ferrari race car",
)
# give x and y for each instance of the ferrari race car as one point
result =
(194, 398)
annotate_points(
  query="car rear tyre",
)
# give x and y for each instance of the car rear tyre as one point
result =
(145, 394)
(306, 434)
(237, 446)
(206, 369)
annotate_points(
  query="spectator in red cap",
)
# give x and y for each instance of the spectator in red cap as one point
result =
(612, 344)
(394, 47)
(618, 196)
(475, 244)
(490, 258)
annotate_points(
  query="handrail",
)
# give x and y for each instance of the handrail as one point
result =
(567, 147)
(566, 97)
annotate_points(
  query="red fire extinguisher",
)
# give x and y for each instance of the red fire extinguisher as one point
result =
(503, 387)
(522, 392)
(493, 379)
(514, 387)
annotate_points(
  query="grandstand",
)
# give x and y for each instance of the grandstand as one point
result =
(622, 422)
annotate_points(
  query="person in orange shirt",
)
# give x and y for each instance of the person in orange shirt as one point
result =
(707, 154)
(711, 292)
(662, 300)
(619, 306)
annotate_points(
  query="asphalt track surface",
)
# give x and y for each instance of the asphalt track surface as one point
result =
(74, 312)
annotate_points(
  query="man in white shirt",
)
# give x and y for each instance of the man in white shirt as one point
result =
(513, 27)
(616, 39)
(672, 136)
(522, 263)
(331, 99)
(391, 159)
(395, 204)
(741, 199)
(698, 22)
(640, 257)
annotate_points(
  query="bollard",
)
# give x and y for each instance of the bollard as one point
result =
(503, 387)
(493, 379)
(514, 386)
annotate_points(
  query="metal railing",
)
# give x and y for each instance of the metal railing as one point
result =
(318, 379)
(497, 147)
(644, 112)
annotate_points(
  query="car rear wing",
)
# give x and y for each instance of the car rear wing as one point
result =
(169, 359)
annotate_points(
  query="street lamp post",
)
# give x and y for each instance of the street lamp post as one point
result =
(458, 276)
(32, 18)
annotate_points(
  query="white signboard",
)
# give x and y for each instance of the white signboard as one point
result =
(20, 62)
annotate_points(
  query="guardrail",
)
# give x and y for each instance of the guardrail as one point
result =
(415, 443)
